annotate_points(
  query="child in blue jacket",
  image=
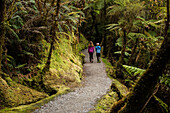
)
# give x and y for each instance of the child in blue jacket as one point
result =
(98, 50)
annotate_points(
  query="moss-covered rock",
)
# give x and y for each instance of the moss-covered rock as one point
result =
(17, 94)
(121, 89)
(105, 103)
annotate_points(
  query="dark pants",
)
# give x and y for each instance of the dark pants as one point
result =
(91, 56)
(98, 57)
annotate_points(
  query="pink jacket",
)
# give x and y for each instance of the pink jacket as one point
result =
(91, 49)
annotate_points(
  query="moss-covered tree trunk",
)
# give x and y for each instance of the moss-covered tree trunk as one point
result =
(121, 61)
(145, 86)
(94, 24)
(54, 29)
(2, 28)
(104, 33)
(123, 48)
(131, 59)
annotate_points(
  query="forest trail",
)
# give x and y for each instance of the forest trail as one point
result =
(82, 100)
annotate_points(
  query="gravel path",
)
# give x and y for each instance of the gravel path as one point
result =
(83, 99)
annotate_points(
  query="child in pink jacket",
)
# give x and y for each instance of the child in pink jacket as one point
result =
(91, 51)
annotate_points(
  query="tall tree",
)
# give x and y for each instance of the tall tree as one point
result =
(54, 28)
(104, 34)
(146, 84)
(2, 27)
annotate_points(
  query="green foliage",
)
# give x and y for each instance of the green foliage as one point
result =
(119, 52)
(16, 22)
(165, 79)
(133, 71)
(20, 66)
(163, 104)
(119, 42)
(134, 36)
(13, 33)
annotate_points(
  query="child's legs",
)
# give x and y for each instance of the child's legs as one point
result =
(91, 56)
(98, 56)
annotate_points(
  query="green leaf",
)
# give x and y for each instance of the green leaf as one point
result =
(133, 71)
(163, 104)
(169, 30)
(20, 66)
(97, 11)
(27, 53)
(12, 32)
(119, 42)
(60, 28)
(67, 8)
(119, 52)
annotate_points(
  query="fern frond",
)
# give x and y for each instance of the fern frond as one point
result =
(13, 32)
(136, 35)
(119, 52)
(133, 71)
(110, 26)
(17, 22)
(27, 53)
(20, 66)
(163, 104)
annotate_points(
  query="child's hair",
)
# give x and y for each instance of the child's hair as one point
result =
(91, 43)
(97, 44)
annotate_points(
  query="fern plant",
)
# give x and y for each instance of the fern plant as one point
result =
(162, 103)
(133, 71)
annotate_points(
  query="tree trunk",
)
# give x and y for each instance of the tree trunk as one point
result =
(123, 48)
(2, 27)
(54, 28)
(146, 84)
(119, 73)
(131, 59)
(104, 34)
(94, 22)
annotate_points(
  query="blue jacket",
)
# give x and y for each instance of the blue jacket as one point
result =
(98, 49)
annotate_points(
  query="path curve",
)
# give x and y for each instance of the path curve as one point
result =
(83, 99)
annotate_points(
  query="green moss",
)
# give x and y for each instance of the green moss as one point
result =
(106, 62)
(110, 70)
(17, 94)
(33, 106)
(83, 43)
(105, 103)
(122, 89)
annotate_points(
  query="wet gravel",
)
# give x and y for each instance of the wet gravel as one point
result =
(82, 99)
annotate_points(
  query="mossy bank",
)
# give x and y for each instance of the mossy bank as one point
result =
(65, 73)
